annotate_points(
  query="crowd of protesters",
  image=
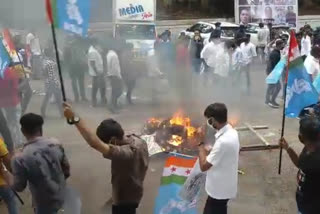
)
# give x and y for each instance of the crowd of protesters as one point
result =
(216, 59)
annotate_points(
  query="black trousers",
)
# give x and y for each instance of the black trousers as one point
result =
(98, 83)
(214, 206)
(131, 84)
(273, 92)
(116, 85)
(77, 82)
(25, 94)
(52, 90)
(124, 209)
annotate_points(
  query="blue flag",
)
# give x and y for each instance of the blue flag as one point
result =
(316, 83)
(4, 59)
(72, 15)
(275, 75)
(300, 90)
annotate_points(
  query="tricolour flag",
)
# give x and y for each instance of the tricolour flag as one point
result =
(300, 90)
(72, 16)
(176, 171)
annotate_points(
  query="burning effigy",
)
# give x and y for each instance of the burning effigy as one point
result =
(175, 134)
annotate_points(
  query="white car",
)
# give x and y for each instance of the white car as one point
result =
(228, 30)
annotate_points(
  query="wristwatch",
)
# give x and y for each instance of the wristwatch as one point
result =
(201, 143)
(74, 120)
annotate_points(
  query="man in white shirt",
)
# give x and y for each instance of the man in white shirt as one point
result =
(312, 62)
(210, 52)
(95, 64)
(114, 75)
(263, 38)
(248, 52)
(221, 163)
(33, 46)
(305, 45)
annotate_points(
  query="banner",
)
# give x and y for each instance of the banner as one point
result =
(69, 15)
(277, 12)
(175, 173)
(135, 10)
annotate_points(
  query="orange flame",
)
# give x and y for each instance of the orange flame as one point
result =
(175, 140)
(179, 119)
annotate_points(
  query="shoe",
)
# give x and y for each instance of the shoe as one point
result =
(273, 105)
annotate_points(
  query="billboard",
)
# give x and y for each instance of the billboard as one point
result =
(135, 10)
(277, 12)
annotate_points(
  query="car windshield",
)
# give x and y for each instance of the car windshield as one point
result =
(127, 31)
(228, 31)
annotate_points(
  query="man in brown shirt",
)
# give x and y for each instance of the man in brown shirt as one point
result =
(129, 160)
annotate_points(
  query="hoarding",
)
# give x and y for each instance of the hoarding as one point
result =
(277, 12)
(135, 10)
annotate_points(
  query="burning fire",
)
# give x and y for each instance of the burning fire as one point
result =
(154, 121)
(175, 140)
(179, 119)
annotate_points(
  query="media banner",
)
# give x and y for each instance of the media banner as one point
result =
(277, 12)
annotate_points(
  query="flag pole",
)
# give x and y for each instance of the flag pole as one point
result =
(58, 62)
(284, 105)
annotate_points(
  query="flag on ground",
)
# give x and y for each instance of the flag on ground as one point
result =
(72, 16)
(4, 60)
(300, 90)
(275, 75)
(176, 171)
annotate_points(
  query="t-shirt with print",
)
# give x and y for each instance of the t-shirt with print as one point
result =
(128, 167)
(308, 191)
(3, 152)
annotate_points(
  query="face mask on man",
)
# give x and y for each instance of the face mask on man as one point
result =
(211, 124)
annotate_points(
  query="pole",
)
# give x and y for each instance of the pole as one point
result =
(18, 196)
(58, 62)
(284, 105)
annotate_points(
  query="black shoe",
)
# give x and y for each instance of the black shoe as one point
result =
(273, 105)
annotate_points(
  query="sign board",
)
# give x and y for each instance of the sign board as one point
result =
(135, 10)
(277, 12)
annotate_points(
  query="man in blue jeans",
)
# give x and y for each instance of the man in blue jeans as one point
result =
(6, 192)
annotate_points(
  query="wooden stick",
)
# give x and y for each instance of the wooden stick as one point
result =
(244, 128)
(258, 148)
(257, 134)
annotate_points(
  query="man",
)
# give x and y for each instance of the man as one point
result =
(75, 59)
(244, 17)
(274, 89)
(210, 51)
(312, 62)
(196, 46)
(248, 52)
(95, 64)
(33, 46)
(42, 165)
(6, 192)
(52, 83)
(241, 33)
(305, 44)
(308, 163)
(263, 38)
(129, 70)
(114, 75)
(221, 163)
(129, 160)
(291, 17)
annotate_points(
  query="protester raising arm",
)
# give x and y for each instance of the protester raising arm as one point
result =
(91, 138)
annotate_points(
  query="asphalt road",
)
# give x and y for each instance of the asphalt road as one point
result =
(261, 189)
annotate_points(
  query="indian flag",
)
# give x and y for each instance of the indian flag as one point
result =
(176, 171)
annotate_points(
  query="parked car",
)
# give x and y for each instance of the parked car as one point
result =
(228, 29)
